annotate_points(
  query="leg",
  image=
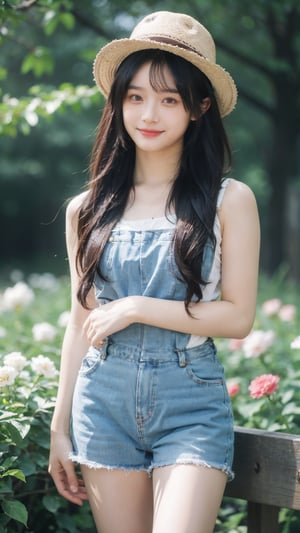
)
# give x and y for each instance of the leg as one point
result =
(121, 501)
(187, 498)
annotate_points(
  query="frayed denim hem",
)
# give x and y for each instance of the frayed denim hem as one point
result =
(195, 462)
(93, 464)
(149, 469)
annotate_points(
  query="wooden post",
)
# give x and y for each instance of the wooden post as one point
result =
(262, 518)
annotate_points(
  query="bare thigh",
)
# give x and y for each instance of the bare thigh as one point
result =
(187, 498)
(121, 501)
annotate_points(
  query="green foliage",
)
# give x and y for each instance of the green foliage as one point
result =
(52, 19)
(22, 114)
(28, 389)
(270, 349)
(40, 61)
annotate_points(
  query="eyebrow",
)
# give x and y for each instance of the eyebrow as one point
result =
(165, 90)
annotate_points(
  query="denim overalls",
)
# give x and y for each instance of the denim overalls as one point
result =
(146, 399)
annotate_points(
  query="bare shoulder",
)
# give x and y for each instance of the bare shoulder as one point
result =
(72, 213)
(239, 204)
(75, 204)
(238, 194)
(73, 209)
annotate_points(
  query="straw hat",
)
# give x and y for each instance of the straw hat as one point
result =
(179, 34)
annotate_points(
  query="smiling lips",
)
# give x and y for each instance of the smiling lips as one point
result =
(150, 133)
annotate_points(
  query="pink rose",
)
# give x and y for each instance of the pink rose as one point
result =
(263, 385)
(233, 388)
(287, 313)
(271, 307)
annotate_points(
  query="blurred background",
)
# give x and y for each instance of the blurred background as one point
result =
(50, 108)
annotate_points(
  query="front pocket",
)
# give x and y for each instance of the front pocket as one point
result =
(90, 362)
(213, 380)
(206, 369)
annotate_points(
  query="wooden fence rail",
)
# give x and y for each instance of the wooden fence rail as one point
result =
(267, 475)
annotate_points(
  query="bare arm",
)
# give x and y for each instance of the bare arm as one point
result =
(75, 345)
(232, 315)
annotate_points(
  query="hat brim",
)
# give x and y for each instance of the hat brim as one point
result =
(111, 56)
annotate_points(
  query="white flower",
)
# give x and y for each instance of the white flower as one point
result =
(63, 319)
(44, 366)
(20, 295)
(7, 375)
(258, 342)
(295, 344)
(16, 360)
(44, 281)
(43, 331)
(3, 332)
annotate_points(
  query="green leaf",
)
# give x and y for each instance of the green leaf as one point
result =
(15, 473)
(3, 73)
(13, 433)
(15, 510)
(50, 22)
(40, 61)
(22, 427)
(7, 415)
(52, 502)
(28, 64)
(68, 20)
(287, 396)
(8, 461)
(5, 487)
(28, 466)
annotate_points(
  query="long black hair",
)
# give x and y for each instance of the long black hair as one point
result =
(205, 158)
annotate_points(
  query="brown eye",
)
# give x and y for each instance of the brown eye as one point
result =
(170, 100)
(134, 97)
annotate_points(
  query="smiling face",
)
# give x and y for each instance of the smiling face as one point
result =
(155, 117)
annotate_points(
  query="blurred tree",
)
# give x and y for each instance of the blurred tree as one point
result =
(257, 41)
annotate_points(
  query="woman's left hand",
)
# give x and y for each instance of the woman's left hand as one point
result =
(107, 319)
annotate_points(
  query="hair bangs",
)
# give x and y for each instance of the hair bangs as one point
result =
(157, 76)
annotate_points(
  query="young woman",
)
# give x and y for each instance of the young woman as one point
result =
(163, 256)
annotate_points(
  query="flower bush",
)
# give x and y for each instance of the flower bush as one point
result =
(29, 362)
(263, 379)
(263, 370)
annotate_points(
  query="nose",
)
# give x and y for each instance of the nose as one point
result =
(150, 112)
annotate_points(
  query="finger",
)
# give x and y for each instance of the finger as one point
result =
(96, 343)
(72, 489)
(86, 325)
(65, 477)
(71, 476)
(90, 332)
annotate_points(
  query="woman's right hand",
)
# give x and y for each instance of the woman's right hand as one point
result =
(62, 469)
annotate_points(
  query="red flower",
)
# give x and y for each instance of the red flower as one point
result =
(263, 385)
